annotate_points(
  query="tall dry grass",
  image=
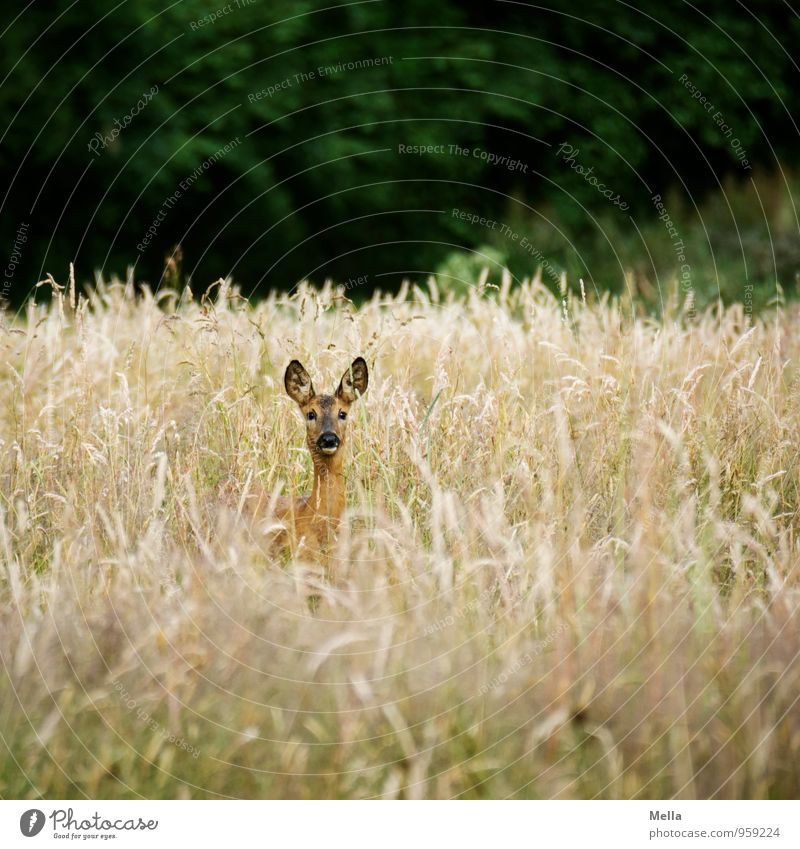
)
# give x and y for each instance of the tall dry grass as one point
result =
(569, 567)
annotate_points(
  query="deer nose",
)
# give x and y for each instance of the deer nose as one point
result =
(328, 442)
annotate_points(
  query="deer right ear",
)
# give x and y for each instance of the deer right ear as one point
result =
(355, 379)
(298, 384)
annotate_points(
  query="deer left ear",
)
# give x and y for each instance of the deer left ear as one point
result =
(298, 384)
(353, 381)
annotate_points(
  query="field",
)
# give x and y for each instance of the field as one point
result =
(569, 567)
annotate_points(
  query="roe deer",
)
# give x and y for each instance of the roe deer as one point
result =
(316, 516)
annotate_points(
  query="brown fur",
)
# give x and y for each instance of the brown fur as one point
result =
(314, 518)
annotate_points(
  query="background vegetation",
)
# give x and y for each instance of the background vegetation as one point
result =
(316, 187)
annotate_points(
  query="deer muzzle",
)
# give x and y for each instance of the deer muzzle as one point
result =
(328, 442)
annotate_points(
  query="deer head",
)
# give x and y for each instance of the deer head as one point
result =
(326, 415)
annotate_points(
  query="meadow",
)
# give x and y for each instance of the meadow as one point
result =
(569, 567)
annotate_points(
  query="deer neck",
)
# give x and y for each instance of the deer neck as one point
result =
(327, 493)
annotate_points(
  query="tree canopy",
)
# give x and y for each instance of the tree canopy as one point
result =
(286, 140)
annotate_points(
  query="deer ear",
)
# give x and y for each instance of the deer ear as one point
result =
(298, 384)
(355, 379)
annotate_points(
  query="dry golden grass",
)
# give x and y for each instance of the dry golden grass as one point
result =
(569, 568)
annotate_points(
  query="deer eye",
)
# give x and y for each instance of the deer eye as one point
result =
(342, 415)
(312, 416)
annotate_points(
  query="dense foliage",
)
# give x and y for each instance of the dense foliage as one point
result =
(317, 102)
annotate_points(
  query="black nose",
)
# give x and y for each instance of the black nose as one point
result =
(328, 440)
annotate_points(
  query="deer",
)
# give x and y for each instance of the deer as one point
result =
(315, 517)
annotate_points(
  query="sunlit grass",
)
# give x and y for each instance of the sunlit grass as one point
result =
(569, 568)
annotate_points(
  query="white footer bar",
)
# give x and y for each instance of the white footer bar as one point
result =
(402, 825)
